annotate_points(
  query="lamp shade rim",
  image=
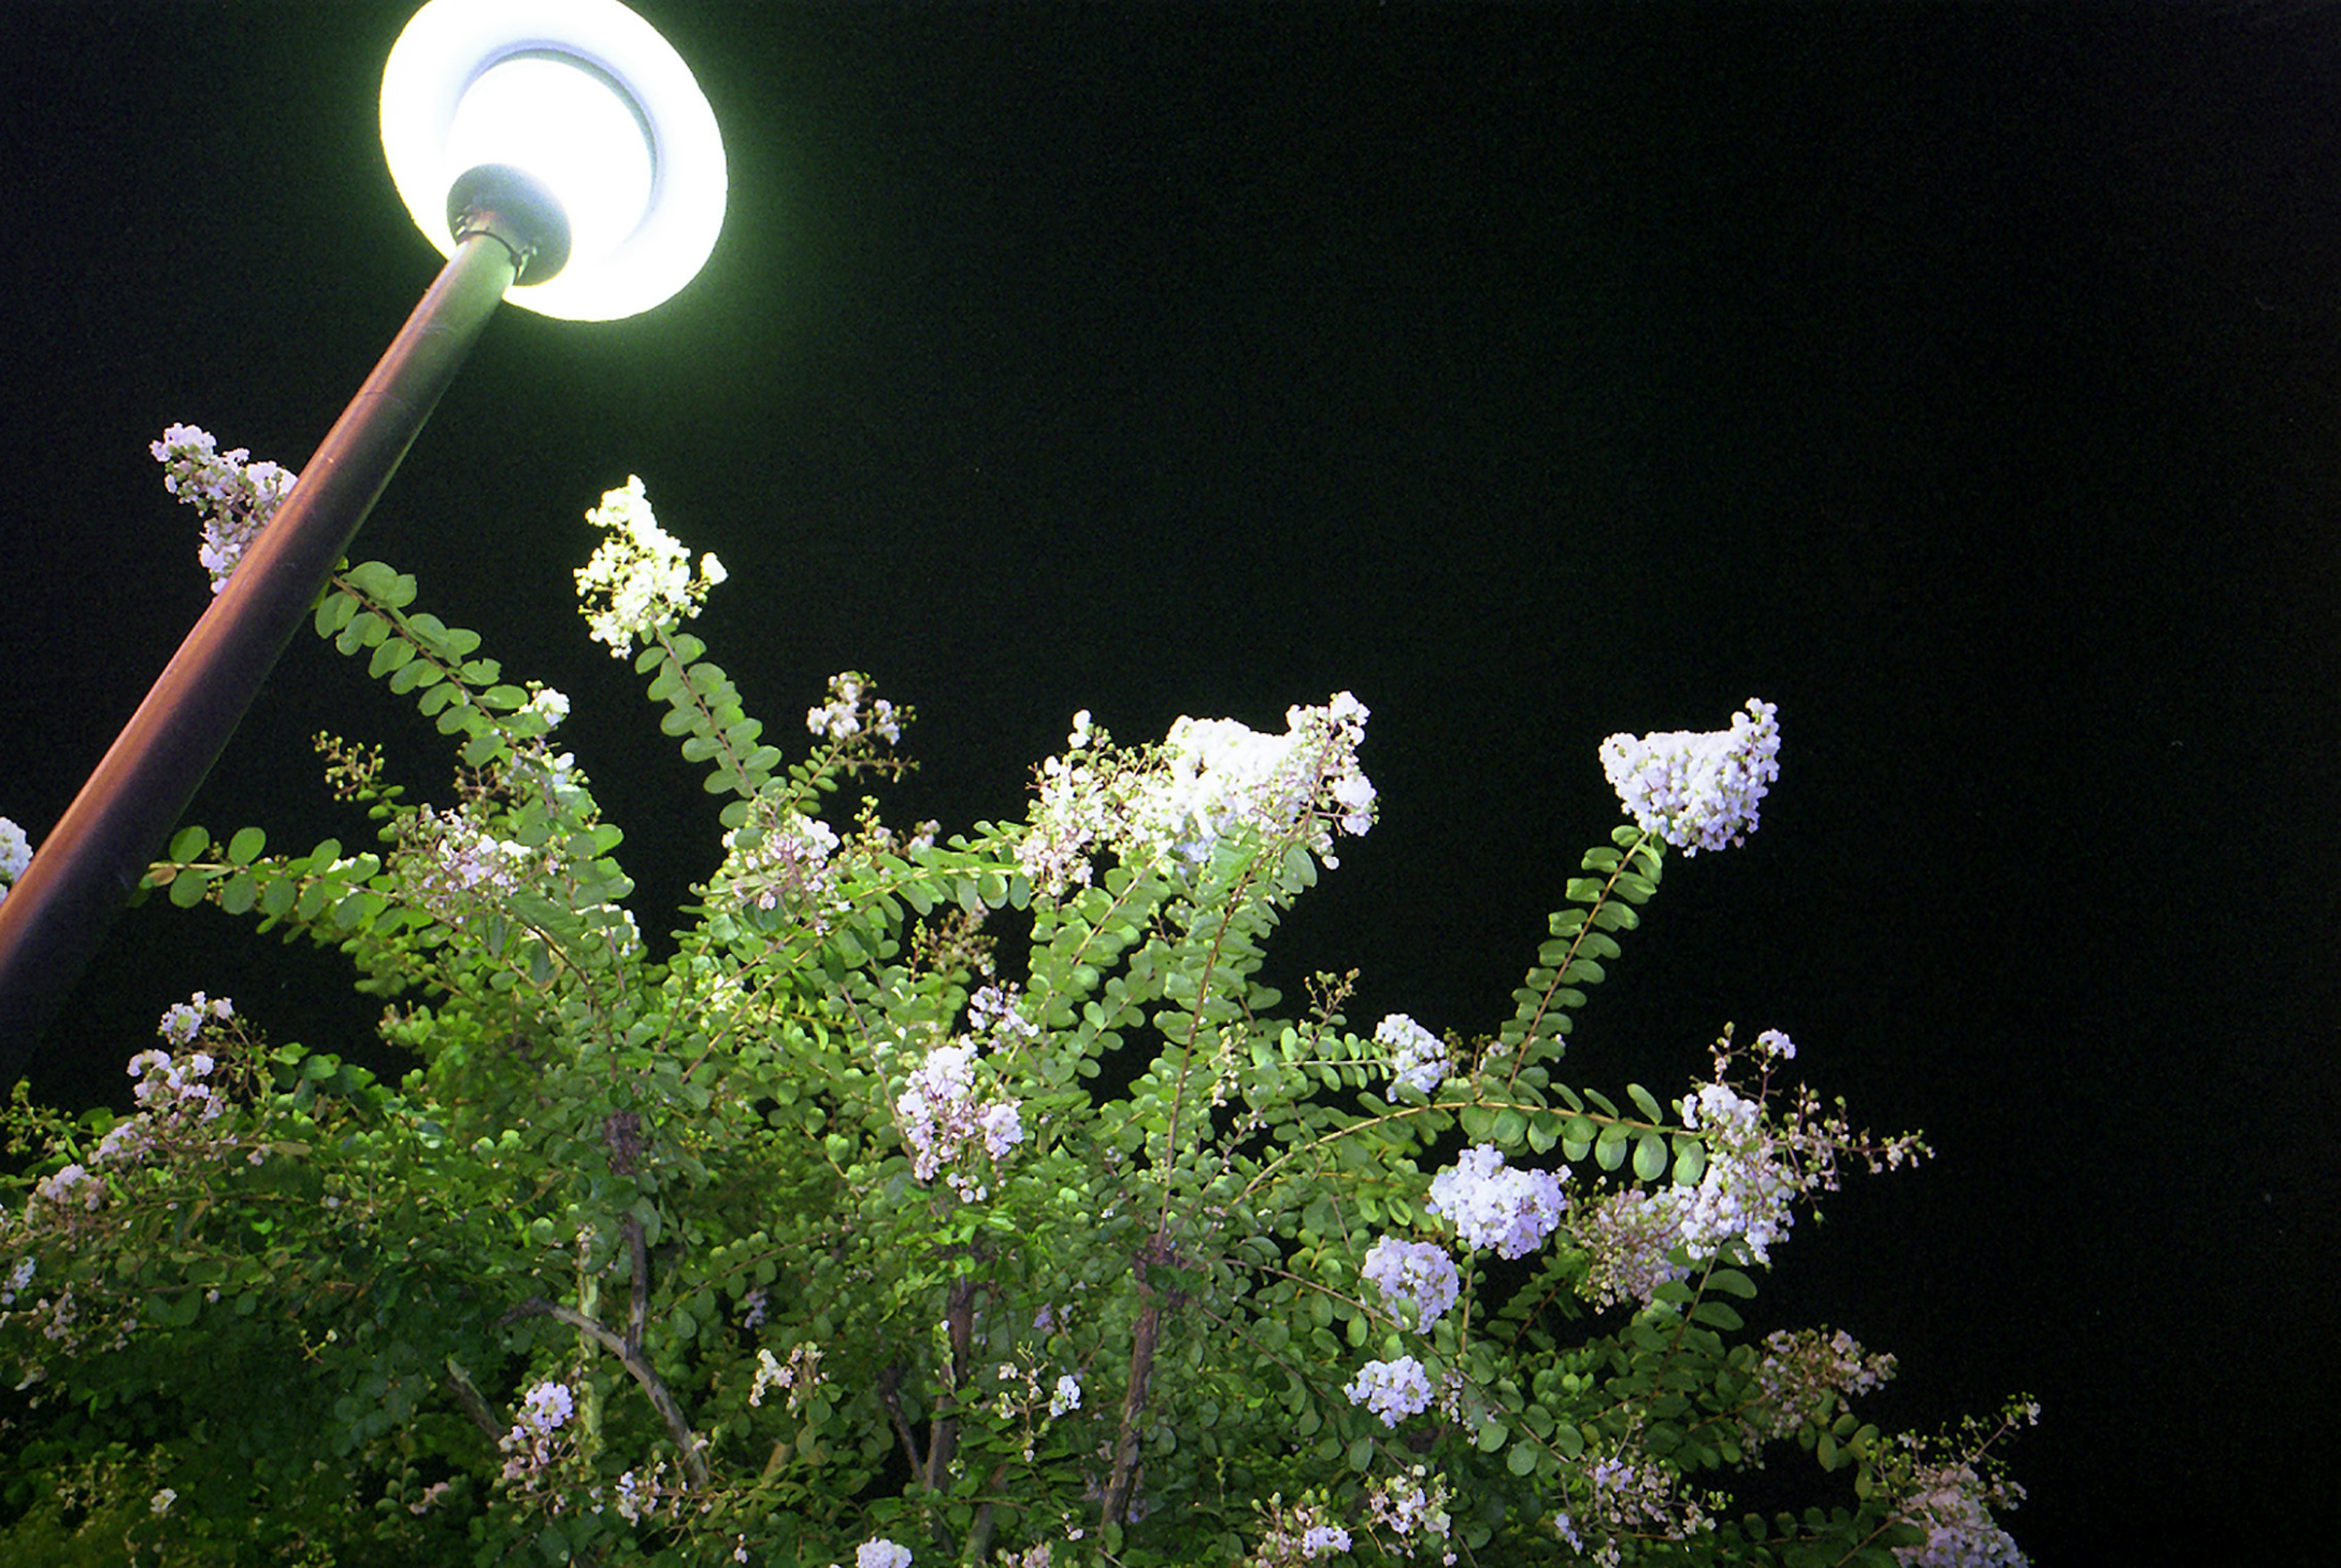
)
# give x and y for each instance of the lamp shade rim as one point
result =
(449, 45)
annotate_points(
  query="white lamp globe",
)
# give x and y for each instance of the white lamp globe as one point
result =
(587, 99)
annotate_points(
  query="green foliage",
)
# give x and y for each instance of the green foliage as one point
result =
(754, 1206)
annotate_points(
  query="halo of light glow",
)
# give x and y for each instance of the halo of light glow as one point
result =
(585, 96)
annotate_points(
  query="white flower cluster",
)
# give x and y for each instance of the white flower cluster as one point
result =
(800, 1375)
(1697, 790)
(1746, 1187)
(1418, 1275)
(1417, 1057)
(780, 859)
(1209, 778)
(638, 578)
(18, 1278)
(1511, 1211)
(1801, 1373)
(843, 717)
(942, 1112)
(181, 1021)
(454, 865)
(1413, 1509)
(15, 854)
(1953, 1504)
(236, 497)
(1392, 1390)
(639, 1494)
(880, 1553)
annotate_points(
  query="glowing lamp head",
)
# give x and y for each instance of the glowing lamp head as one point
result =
(585, 98)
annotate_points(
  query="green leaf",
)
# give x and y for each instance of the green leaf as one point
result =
(1521, 1458)
(245, 846)
(1731, 1282)
(1646, 1101)
(237, 896)
(1690, 1161)
(188, 887)
(1716, 1314)
(1650, 1156)
(188, 842)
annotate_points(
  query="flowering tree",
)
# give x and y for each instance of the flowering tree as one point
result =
(940, 1199)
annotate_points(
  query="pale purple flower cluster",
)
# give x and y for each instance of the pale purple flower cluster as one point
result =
(15, 854)
(235, 495)
(1417, 1057)
(1418, 1275)
(1697, 790)
(942, 1114)
(1392, 1390)
(1953, 1504)
(882, 1553)
(843, 717)
(638, 578)
(1511, 1211)
(544, 1411)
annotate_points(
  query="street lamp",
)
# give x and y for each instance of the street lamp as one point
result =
(556, 150)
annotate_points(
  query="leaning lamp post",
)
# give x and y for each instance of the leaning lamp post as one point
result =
(558, 153)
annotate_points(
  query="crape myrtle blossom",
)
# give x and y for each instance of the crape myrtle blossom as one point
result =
(455, 866)
(1305, 1533)
(15, 854)
(880, 1553)
(1417, 1057)
(1412, 1508)
(1392, 1390)
(844, 716)
(235, 497)
(1698, 791)
(1171, 804)
(1746, 1189)
(1417, 1274)
(1628, 1233)
(941, 1111)
(638, 578)
(1510, 1212)
(544, 1411)
(1804, 1372)
(1952, 1504)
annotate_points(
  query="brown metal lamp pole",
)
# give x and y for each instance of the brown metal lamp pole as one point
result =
(55, 918)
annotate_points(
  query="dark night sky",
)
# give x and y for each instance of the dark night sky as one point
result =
(1965, 380)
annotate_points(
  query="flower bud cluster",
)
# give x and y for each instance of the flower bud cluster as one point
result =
(1804, 1376)
(1631, 1501)
(638, 578)
(1305, 1533)
(1697, 790)
(1416, 1275)
(1511, 1211)
(235, 497)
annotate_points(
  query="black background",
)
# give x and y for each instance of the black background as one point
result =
(1961, 379)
